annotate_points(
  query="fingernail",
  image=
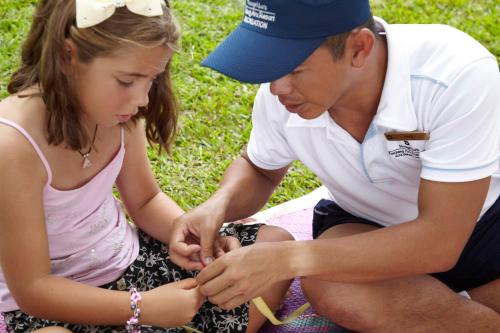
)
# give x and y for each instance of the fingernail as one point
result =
(208, 260)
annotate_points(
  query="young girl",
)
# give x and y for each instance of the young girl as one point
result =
(93, 88)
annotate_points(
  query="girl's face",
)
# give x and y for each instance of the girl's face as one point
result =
(111, 89)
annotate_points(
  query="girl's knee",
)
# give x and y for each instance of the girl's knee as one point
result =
(271, 233)
(53, 329)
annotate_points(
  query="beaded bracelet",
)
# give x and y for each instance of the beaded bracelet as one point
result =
(133, 325)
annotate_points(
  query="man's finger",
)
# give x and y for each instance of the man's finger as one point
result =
(187, 263)
(231, 243)
(207, 243)
(183, 255)
(195, 257)
(234, 302)
(224, 296)
(218, 247)
(212, 279)
(225, 244)
(180, 234)
(183, 249)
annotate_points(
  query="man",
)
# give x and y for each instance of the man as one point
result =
(402, 124)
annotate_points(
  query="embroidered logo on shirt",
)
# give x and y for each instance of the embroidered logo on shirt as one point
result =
(405, 150)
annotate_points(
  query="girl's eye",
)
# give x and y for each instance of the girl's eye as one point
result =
(125, 83)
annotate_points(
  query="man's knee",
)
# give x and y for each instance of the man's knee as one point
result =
(488, 295)
(341, 306)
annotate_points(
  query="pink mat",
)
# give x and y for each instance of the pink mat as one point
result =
(298, 223)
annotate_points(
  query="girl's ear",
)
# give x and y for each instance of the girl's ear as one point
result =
(69, 57)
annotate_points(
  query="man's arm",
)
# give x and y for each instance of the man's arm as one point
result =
(244, 189)
(431, 243)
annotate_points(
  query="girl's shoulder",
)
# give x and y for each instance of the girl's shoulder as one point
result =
(28, 112)
(23, 118)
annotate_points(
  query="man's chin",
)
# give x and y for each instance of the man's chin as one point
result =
(310, 114)
(303, 111)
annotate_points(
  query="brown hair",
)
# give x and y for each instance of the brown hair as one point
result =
(44, 57)
(336, 43)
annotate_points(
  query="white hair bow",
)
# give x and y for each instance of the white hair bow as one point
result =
(93, 12)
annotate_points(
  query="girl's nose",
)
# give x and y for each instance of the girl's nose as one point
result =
(141, 96)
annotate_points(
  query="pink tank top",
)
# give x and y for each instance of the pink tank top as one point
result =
(90, 240)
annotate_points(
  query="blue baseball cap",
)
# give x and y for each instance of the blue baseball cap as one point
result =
(276, 36)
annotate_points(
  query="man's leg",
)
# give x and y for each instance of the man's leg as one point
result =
(489, 295)
(274, 295)
(418, 304)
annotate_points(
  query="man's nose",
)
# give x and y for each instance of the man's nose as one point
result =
(281, 86)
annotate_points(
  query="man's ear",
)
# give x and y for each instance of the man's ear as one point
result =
(69, 56)
(360, 45)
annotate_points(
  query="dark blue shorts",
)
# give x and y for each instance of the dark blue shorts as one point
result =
(479, 263)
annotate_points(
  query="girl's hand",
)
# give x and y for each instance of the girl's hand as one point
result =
(171, 305)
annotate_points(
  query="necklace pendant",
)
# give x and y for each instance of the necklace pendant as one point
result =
(86, 161)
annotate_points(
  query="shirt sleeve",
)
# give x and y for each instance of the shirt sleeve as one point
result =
(268, 147)
(464, 140)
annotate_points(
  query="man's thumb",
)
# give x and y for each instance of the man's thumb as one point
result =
(207, 246)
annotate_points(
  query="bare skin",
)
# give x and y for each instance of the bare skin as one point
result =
(53, 329)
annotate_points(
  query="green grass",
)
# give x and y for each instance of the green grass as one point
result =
(216, 111)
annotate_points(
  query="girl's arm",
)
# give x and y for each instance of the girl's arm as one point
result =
(25, 260)
(150, 209)
(24, 250)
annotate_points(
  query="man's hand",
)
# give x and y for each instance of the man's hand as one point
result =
(194, 237)
(225, 244)
(242, 274)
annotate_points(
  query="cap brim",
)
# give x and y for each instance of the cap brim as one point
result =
(251, 57)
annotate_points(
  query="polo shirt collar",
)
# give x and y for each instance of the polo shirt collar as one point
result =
(395, 108)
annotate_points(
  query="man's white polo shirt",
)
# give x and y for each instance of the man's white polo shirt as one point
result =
(438, 80)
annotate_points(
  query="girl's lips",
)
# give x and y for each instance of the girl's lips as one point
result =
(123, 118)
